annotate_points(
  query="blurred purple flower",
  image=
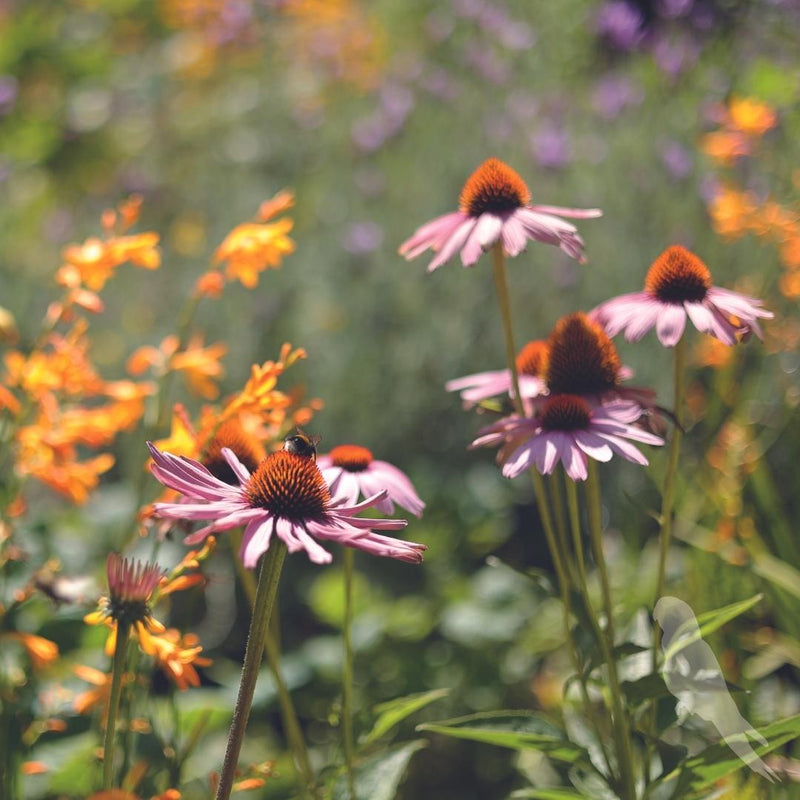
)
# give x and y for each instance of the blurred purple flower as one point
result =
(516, 35)
(362, 238)
(673, 56)
(621, 24)
(487, 64)
(551, 146)
(438, 26)
(9, 89)
(522, 105)
(677, 159)
(613, 93)
(397, 102)
(468, 8)
(439, 83)
(672, 9)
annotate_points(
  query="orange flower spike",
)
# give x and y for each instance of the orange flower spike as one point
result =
(41, 652)
(751, 116)
(200, 366)
(34, 768)
(725, 146)
(282, 201)
(211, 284)
(129, 210)
(141, 250)
(248, 784)
(183, 439)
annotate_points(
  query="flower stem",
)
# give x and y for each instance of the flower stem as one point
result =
(266, 591)
(272, 648)
(621, 726)
(501, 286)
(117, 671)
(347, 677)
(668, 496)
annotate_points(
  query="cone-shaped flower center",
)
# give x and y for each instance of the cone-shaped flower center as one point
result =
(351, 457)
(493, 187)
(290, 486)
(582, 358)
(532, 358)
(565, 412)
(245, 447)
(130, 586)
(678, 276)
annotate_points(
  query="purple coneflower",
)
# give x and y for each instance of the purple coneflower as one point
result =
(567, 429)
(495, 206)
(678, 285)
(286, 497)
(130, 588)
(350, 470)
(531, 365)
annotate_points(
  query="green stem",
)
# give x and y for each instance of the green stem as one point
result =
(668, 497)
(347, 677)
(575, 527)
(266, 591)
(501, 285)
(117, 671)
(272, 648)
(621, 726)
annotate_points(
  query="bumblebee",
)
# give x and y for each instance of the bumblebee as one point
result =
(301, 445)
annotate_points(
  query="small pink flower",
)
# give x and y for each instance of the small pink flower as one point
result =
(286, 496)
(567, 429)
(495, 206)
(350, 471)
(531, 362)
(677, 286)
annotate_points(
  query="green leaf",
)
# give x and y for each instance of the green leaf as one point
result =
(647, 687)
(378, 777)
(519, 730)
(717, 761)
(707, 623)
(393, 712)
(619, 652)
(778, 572)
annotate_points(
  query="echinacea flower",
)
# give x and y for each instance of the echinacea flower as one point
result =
(495, 207)
(286, 496)
(130, 588)
(678, 285)
(531, 364)
(567, 429)
(350, 470)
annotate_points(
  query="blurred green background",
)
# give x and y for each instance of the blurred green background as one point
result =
(374, 113)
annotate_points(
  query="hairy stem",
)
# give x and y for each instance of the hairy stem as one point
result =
(117, 671)
(347, 677)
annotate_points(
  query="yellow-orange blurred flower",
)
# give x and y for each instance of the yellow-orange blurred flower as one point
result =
(86, 701)
(725, 146)
(751, 116)
(200, 367)
(94, 262)
(41, 652)
(34, 768)
(210, 284)
(178, 656)
(732, 211)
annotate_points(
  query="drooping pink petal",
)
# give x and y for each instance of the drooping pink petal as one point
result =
(485, 233)
(433, 234)
(593, 445)
(454, 243)
(706, 320)
(513, 236)
(574, 461)
(400, 488)
(574, 213)
(255, 540)
(239, 469)
(670, 324)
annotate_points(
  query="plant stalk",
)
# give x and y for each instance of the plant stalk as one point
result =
(117, 671)
(266, 592)
(347, 677)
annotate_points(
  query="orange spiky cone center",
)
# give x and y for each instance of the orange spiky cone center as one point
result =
(290, 486)
(678, 276)
(565, 412)
(351, 457)
(532, 358)
(493, 187)
(246, 448)
(582, 358)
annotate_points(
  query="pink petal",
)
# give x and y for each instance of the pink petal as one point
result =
(671, 323)
(255, 541)
(593, 445)
(706, 320)
(485, 233)
(454, 243)
(433, 234)
(513, 236)
(574, 213)
(239, 469)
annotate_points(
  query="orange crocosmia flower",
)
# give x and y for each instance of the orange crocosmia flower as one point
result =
(178, 656)
(210, 284)
(113, 794)
(282, 201)
(751, 116)
(86, 701)
(732, 212)
(248, 784)
(95, 261)
(725, 146)
(182, 439)
(34, 768)
(42, 652)
(252, 247)
(711, 352)
(9, 401)
(200, 367)
(790, 251)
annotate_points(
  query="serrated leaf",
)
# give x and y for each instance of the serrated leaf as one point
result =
(378, 777)
(519, 730)
(717, 761)
(395, 711)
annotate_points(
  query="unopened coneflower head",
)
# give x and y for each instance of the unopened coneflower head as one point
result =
(494, 206)
(131, 585)
(679, 285)
(286, 496)
(531, 366)
(249, 450)
(568, 429)
(350, 471)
